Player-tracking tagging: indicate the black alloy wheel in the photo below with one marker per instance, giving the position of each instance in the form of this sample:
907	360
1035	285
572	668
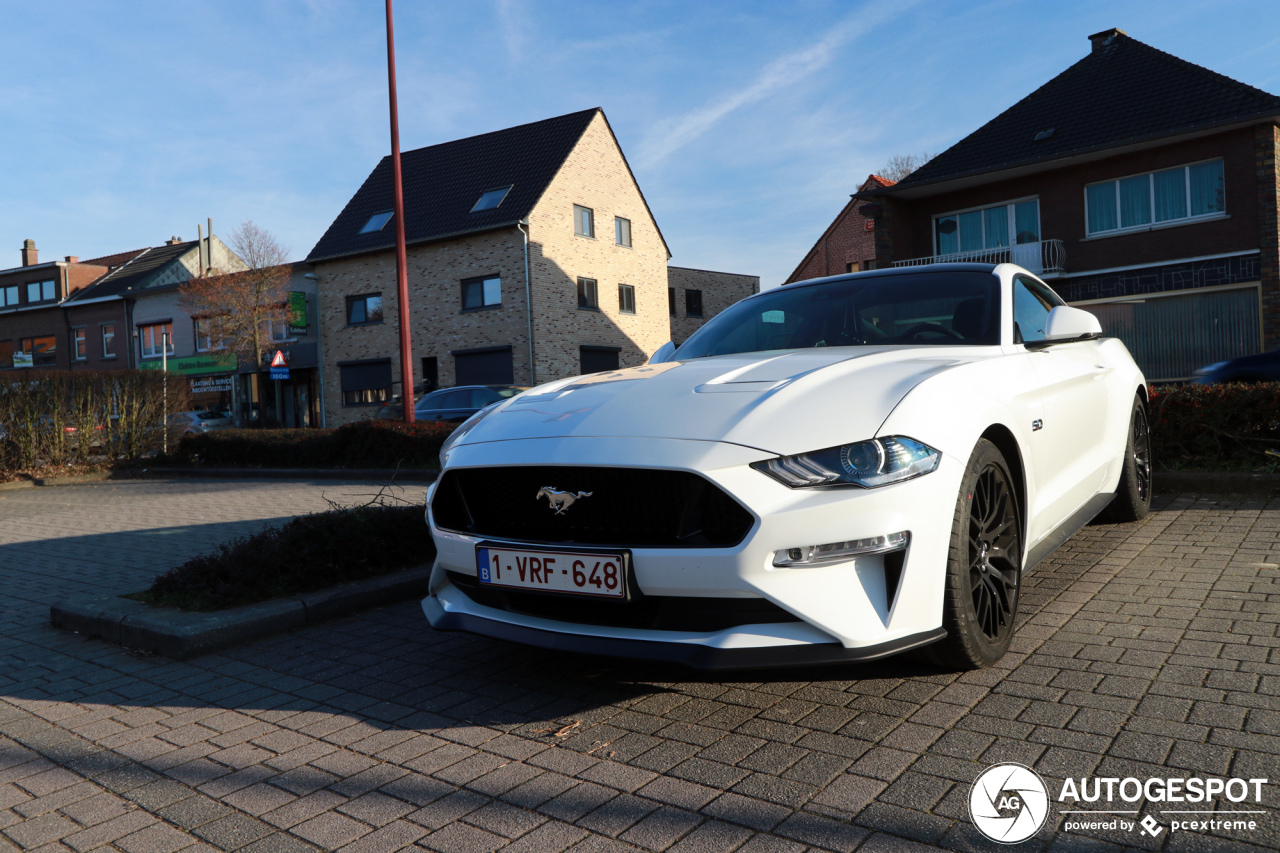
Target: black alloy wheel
984	566
1133	493
995	554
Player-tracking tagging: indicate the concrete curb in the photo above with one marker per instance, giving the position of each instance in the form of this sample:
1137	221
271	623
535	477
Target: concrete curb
380	474
71	480
1215	482
180	634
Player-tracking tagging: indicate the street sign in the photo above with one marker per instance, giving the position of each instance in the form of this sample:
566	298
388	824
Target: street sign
278	360
279	373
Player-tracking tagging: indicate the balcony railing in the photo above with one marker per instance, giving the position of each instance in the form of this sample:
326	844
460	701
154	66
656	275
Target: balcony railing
1042	257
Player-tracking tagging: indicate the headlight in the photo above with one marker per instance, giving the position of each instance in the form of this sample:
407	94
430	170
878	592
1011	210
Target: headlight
460	433
877	462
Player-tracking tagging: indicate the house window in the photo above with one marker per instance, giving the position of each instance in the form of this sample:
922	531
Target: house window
40	291
693	303
154	337
587	294
364	309
278	331
1170	195
988	228
483	292
6	354
206	334
365	383
584	221
43	350
490	199
9	296
626	299
108	340
671	300
79	344
622	231
376	222
852	266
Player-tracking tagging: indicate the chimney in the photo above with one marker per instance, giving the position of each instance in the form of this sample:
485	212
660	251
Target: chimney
30	257
73	259
1102	39
173	241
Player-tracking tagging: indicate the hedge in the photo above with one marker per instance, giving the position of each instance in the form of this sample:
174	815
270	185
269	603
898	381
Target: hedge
366	444
1216	427
310	552
68	417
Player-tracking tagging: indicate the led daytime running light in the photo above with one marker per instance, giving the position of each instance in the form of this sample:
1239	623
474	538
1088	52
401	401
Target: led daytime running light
877	462
834	552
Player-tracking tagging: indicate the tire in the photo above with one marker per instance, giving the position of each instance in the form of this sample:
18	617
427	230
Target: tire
1133	493
984	566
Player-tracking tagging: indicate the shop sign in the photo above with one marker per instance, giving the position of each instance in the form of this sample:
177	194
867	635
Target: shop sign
297	312
210	385
195	365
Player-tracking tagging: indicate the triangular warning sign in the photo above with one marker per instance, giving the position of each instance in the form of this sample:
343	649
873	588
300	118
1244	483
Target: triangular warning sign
278	360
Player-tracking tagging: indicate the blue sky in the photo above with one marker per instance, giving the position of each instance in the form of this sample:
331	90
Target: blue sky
748	124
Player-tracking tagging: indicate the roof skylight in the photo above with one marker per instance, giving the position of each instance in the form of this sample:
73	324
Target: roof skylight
376	222
491	199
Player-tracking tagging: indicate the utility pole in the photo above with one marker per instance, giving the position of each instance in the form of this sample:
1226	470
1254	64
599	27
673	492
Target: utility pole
402	262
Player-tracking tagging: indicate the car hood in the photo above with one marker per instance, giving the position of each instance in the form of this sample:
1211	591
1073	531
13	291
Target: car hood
781	402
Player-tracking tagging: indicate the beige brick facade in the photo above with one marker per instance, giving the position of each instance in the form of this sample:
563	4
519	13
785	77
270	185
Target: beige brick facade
594	175
719	290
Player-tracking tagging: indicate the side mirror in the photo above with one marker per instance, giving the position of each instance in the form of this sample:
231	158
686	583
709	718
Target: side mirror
664	353
1069	324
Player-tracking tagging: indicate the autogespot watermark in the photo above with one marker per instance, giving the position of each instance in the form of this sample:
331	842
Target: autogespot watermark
1009	803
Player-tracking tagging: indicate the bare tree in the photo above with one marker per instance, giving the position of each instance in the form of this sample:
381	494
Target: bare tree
237	309
901	165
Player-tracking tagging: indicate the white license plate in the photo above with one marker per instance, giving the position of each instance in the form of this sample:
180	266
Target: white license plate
582	573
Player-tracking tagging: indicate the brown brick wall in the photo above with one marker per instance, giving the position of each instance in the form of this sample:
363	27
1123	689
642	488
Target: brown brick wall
847	240
91	317
719	291
1062	207
1266	160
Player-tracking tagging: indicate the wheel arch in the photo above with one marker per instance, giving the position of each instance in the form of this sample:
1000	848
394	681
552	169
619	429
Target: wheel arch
1003	438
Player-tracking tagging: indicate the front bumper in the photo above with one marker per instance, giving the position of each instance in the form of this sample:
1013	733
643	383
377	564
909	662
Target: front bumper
859	609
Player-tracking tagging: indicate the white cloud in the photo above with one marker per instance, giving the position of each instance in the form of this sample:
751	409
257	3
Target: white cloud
669	135
515	23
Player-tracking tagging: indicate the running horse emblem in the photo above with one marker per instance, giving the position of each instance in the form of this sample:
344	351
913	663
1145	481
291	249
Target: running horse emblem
560	501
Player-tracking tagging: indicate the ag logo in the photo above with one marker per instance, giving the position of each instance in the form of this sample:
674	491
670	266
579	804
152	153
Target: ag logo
1008	803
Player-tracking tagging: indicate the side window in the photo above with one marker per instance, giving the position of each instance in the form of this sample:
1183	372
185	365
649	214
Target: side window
481	397
1031	307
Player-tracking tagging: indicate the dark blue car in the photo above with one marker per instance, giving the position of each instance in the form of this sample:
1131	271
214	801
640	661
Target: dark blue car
1263	367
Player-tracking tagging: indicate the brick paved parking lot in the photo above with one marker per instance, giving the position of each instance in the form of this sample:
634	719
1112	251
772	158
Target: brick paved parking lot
1147	650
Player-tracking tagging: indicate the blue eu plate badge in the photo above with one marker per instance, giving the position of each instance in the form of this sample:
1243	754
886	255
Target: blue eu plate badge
482	563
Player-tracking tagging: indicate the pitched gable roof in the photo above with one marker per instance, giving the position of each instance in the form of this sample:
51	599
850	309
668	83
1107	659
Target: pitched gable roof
443	182
1123	92
872	182
133	274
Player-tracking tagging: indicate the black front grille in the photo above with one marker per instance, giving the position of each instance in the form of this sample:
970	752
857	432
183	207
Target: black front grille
627	507
657	612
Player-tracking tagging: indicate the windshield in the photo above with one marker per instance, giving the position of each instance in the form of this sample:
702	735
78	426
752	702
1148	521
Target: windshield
946	307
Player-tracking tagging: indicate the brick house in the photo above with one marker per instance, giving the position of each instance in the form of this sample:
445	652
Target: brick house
1143	188
33	330
532	255
848	244
695	296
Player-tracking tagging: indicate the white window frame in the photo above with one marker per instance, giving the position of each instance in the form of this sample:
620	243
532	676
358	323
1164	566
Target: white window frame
203	332
148	344
108	351
1010	206
1151	195
79	343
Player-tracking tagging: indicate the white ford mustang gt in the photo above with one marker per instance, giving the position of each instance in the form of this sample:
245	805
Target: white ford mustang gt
834	470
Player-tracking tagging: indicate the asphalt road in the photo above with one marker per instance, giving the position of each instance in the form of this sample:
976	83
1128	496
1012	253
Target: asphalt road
1146	650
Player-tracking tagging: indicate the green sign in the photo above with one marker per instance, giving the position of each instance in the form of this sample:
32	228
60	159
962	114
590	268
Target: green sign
195	365
297	312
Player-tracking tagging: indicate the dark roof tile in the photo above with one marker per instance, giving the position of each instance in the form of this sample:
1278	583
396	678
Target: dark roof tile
1123	91
443	182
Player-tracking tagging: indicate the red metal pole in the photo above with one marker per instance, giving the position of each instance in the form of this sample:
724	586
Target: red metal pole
402	262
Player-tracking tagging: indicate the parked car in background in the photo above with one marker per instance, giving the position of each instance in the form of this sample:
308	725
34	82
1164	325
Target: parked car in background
835	470
1262	367
452	404
198	423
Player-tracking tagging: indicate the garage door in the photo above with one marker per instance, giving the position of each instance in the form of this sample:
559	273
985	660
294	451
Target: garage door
599	359
488	366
